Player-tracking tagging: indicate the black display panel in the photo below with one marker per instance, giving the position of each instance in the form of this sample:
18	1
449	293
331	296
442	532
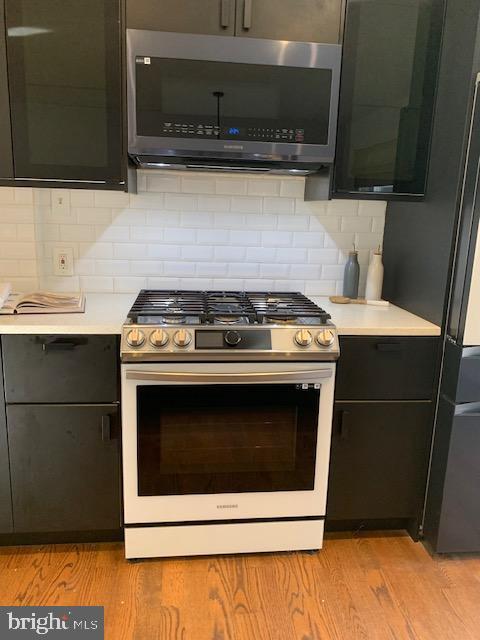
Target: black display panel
232	101
208	439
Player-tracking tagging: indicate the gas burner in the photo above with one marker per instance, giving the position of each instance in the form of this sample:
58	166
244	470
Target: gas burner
230	320
281	319
175	319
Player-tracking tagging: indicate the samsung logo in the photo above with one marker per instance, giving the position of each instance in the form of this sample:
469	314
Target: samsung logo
227	506
239	147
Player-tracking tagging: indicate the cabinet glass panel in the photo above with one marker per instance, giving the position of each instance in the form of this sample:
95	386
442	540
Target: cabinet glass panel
389	74
64	74
226	439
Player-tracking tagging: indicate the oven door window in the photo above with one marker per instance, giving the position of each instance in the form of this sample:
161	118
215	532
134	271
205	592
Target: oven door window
226	439
228	101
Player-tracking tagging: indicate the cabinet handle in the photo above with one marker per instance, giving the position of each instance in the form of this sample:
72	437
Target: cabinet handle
61	344
247	14
224	13
106	428
343	426
389	346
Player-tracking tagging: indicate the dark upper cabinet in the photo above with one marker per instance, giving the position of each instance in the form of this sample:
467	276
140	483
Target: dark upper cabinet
211	17
297	20
65	467
300	21
389	75
6	157
6	522
64	70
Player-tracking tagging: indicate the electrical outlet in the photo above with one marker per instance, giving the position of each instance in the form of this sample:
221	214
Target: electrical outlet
63	261
61	201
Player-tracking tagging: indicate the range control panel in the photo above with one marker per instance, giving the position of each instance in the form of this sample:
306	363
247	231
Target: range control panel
260	134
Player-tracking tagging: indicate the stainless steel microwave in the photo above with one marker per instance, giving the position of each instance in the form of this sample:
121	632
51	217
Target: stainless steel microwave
231	103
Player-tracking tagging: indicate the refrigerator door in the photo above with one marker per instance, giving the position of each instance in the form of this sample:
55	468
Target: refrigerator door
464	311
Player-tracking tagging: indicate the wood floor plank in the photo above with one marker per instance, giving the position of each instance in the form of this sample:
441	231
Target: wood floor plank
366	587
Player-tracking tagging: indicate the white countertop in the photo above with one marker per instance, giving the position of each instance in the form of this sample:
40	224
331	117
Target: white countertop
105	314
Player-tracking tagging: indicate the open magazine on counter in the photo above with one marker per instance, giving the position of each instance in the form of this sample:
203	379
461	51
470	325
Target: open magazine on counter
43	302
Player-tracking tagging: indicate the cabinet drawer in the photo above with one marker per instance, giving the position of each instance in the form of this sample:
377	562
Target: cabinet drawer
65	468
386	368
60	369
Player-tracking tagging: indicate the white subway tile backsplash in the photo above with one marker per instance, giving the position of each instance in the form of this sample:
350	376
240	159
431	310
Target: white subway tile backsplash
111	199
278	205
180	236
372	208
231	186
187	230
180	202
292	188
163	182
263	187
129	251
246	204
111	267
277	238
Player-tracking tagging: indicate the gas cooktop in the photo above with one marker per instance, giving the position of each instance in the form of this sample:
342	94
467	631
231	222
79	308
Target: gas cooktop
235	325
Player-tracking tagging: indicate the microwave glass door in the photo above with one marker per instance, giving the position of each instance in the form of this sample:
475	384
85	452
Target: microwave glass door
209	439
226	101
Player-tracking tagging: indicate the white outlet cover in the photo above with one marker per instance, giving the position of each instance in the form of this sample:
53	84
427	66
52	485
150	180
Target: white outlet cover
61	201
63	261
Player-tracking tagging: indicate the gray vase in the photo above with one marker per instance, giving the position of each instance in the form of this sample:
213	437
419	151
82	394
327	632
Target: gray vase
351	276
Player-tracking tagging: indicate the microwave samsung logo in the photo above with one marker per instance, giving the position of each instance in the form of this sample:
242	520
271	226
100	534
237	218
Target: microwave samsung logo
227	506
235	147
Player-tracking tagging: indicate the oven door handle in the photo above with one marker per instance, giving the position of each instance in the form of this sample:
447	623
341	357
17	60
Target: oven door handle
188	377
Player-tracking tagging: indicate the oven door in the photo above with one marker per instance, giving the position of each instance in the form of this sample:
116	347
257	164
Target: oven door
225	440
214	96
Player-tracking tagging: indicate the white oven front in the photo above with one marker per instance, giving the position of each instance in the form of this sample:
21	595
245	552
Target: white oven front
225	441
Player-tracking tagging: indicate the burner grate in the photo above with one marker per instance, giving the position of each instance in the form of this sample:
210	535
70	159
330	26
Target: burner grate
210	307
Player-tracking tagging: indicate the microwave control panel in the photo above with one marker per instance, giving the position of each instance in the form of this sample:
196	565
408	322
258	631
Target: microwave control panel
258	134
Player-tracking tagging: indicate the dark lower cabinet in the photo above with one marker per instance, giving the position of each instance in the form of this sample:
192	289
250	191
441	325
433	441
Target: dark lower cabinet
65	468
379	460
6	522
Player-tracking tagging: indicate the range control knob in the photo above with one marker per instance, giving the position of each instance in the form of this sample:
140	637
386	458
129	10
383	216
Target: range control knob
232	338
182	338
325	338
158	338
135	338
303	338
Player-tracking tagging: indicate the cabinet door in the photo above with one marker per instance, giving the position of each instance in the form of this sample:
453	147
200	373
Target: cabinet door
6	158
389	74
6	524
379	457
215	17
65	89
297	20
65	467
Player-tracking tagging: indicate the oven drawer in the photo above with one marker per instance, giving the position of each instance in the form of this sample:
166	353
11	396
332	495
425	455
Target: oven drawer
386	368
60	368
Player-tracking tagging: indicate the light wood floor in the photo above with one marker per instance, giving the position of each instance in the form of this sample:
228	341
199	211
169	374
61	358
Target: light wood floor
371	587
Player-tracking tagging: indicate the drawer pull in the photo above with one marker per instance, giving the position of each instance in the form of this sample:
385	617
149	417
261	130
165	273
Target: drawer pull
106	428
343	426
60	344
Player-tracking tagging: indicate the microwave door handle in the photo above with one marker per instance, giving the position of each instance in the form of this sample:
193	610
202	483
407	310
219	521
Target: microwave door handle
247	14
206	378
224	14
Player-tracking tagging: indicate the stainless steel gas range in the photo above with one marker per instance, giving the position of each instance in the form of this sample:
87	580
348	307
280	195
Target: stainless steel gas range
227	409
